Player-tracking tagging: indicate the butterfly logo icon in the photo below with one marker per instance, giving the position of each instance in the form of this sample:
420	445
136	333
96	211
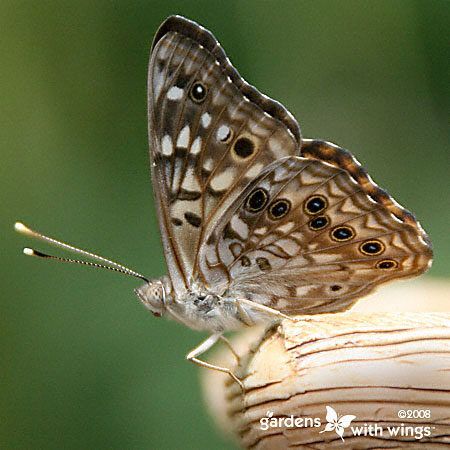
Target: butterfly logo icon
337	424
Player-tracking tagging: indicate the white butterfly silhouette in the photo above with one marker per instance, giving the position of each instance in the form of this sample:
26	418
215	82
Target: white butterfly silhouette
337	424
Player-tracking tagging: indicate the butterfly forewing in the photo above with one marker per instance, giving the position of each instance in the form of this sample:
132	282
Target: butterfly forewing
208	139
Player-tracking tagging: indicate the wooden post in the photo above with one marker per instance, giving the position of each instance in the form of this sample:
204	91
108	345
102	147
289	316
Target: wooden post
389	370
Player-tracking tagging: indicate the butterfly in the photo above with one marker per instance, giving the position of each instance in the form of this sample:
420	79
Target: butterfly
257	223
337	424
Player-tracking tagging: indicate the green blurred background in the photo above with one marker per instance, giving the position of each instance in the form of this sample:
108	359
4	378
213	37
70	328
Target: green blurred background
83	365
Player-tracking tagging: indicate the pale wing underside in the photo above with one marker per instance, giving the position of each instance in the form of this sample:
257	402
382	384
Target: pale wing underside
210	135
298	260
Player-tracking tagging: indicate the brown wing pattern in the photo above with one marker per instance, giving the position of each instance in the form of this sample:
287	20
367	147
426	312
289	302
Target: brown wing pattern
210	134
316	240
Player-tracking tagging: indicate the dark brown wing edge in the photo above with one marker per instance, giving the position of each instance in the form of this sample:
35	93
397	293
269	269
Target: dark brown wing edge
342	158
204	37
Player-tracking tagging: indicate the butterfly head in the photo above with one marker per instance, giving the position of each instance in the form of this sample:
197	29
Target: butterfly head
153	295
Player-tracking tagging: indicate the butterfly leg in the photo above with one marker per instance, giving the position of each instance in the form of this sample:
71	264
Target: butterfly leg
267	309
243	315
204	347
232	350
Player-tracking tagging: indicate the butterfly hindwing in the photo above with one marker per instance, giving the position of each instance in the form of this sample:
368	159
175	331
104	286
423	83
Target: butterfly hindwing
210	134
307	237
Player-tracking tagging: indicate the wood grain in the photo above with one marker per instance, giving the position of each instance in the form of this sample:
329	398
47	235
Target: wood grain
368	365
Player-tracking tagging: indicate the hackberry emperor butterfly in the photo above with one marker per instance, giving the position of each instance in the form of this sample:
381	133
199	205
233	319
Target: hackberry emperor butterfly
257	223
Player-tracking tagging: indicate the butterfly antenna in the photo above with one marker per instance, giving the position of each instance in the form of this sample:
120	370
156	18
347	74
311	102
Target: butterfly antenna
106	263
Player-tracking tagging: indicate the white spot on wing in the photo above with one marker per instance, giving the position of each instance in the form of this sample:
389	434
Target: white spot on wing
260	231
281	173
183	137
223	133
371	200
166	144
258	129
190	182
239	227
222	181
286	227
208	164
313	246
275	146
196	146
211	256
298	235
181	206
254	170
302	290
353	179
396	218
206	119
158	81
174	93
289	246
163	51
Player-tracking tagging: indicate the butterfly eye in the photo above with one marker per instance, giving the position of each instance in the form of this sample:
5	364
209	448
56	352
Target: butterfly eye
257	200
374	247
315	205
279	209
318	223
387	264
342	234
198	92
243	147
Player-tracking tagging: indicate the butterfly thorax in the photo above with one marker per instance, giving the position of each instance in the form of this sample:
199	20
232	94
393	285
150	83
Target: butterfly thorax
197	308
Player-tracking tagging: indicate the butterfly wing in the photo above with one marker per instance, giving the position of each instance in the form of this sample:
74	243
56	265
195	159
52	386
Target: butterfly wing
210	134
313	234
331	414
346	420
